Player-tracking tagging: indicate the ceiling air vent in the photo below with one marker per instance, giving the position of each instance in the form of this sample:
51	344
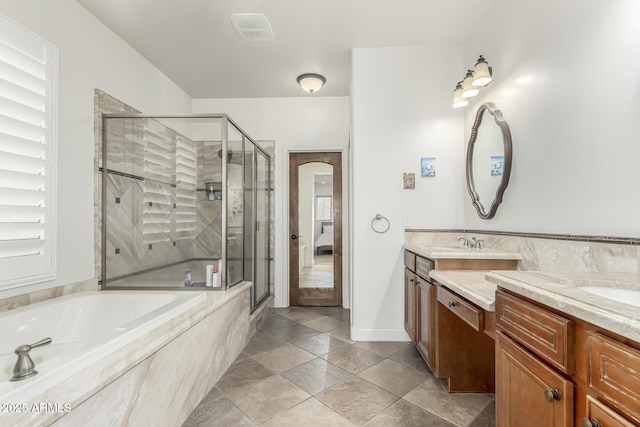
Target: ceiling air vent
252	26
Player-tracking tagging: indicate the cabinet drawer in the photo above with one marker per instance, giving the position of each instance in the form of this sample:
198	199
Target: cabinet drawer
423	267
614	370
466	311
410	260
605	416
549	336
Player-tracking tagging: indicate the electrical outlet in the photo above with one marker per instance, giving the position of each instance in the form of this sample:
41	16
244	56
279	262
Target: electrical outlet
405	220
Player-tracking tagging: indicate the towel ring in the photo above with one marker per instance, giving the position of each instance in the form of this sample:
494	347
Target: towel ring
379	217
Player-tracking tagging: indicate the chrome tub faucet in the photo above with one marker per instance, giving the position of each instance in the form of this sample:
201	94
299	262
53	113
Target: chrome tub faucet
25	368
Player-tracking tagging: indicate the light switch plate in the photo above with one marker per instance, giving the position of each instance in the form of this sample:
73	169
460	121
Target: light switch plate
405	220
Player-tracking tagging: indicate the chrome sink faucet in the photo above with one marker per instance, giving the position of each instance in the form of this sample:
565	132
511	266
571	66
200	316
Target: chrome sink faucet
465	242
474	243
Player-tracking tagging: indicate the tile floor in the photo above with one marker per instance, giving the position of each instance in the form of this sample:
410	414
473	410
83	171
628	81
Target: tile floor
301	369
319	275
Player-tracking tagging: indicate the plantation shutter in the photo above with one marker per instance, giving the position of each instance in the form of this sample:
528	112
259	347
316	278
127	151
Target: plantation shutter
28	67
159	167
186	177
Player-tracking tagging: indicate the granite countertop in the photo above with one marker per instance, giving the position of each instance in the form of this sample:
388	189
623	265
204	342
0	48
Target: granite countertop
470	285
460	252
560	290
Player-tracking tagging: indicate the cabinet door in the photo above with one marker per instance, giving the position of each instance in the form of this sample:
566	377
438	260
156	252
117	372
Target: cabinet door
410	303
528	392
427	321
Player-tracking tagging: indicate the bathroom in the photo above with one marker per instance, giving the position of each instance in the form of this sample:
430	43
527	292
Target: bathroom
565	81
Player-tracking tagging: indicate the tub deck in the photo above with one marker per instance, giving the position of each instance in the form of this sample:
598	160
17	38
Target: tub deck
75	374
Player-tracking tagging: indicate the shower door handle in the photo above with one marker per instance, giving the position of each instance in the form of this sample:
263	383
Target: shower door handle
295	237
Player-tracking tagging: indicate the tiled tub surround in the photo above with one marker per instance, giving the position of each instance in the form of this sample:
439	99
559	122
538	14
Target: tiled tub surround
156	379
83	327
45	294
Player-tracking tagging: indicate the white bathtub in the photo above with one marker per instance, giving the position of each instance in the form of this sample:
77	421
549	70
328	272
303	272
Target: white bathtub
84	328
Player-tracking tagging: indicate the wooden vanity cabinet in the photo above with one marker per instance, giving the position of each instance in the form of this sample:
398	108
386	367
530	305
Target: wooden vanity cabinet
422	318
465	353
561	371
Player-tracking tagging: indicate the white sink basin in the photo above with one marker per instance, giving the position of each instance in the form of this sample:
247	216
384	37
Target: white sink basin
626	296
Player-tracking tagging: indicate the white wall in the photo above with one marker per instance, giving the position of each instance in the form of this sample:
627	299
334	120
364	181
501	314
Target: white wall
401	111
295	124
566	80
90	56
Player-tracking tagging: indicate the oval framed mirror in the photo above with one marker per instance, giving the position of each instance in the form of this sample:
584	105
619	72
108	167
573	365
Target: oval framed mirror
488	160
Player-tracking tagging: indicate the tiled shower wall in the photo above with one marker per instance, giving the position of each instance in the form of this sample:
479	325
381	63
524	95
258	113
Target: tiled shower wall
143	230
208	213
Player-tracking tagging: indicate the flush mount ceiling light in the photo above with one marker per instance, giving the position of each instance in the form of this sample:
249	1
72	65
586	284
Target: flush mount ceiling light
311	82
470	86
253	27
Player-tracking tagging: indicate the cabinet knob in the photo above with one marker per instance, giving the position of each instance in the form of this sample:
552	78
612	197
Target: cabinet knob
452	304
586	422
551	395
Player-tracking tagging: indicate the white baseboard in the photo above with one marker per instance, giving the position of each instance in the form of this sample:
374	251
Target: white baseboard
379	334
280	303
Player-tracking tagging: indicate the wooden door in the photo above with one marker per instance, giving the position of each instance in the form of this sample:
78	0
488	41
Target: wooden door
328	291
528	392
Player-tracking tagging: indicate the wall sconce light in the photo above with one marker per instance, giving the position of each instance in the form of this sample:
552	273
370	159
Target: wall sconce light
470	86
458	100
468	89
482	73
311	82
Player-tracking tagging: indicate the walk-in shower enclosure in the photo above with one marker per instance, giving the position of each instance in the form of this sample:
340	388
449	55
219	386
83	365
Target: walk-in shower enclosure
185	204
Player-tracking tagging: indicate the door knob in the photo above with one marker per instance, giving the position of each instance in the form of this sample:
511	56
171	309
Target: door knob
551	395
295	237
586	422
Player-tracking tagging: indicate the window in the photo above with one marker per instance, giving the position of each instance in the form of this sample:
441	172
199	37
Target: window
28	85
323	208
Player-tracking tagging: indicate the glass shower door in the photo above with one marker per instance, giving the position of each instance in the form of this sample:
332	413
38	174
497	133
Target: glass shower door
235	206
262	188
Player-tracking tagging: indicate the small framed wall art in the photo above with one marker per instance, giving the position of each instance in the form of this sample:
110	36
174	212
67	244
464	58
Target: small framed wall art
409	180
428	166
